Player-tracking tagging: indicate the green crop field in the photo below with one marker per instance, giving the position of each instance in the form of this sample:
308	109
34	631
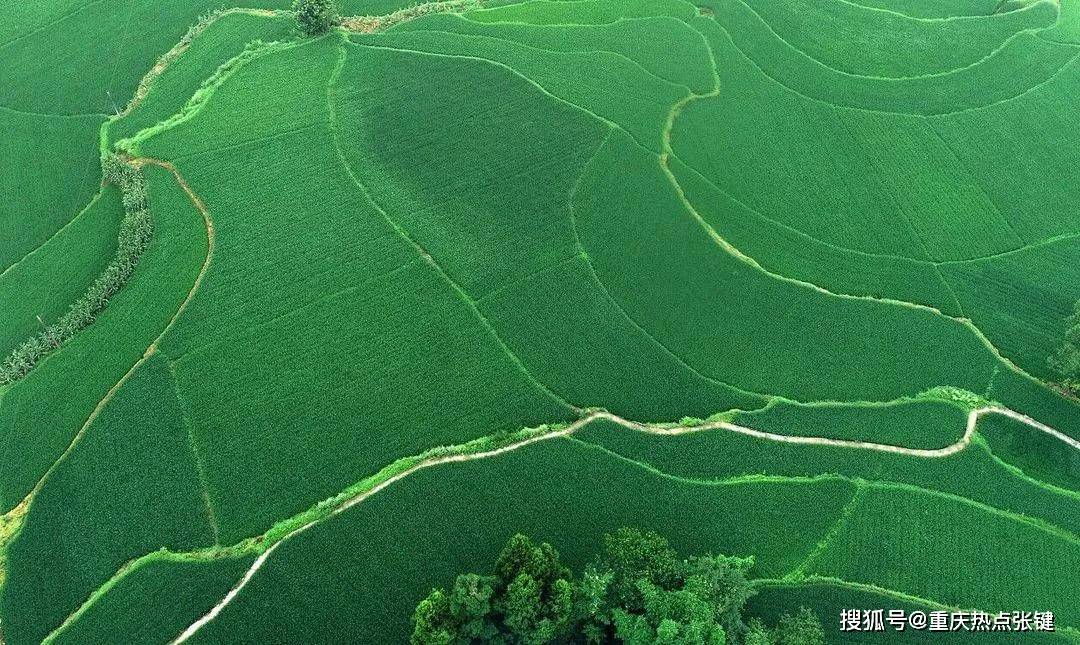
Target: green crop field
299	322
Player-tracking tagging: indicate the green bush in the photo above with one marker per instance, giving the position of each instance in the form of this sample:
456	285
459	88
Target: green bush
638	591
316	17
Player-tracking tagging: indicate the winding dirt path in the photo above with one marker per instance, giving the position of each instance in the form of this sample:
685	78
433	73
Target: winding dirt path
15	516
935	453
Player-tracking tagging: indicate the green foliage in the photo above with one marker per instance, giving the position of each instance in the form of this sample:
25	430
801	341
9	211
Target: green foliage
529	600
1066	361
632	555
803	628
676	616
638	591
316	17
136	230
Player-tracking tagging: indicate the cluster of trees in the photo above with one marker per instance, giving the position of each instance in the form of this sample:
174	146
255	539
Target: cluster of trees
638	591
316	17
136	230
1066	361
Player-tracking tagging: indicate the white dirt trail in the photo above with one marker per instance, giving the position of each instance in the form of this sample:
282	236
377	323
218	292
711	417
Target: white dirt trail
925	453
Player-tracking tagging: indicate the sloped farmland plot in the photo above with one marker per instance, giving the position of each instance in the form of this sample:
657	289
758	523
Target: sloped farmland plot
777	278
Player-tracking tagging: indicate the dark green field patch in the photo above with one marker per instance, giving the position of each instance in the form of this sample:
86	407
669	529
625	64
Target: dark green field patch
1037	454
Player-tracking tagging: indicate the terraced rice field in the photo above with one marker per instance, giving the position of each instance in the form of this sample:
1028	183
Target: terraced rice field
777	278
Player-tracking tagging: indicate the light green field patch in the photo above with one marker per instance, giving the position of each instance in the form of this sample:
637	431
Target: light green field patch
1036	400
665	46
223	39
931	9
787	251
49	171
1038	455
1021	300
1024	63
156	599
93	59
734	322
607	86
573	336
856	40
716	454
917	423
383	360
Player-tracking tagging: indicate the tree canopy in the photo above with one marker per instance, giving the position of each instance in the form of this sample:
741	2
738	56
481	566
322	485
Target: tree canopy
1066	361
638	591
316	17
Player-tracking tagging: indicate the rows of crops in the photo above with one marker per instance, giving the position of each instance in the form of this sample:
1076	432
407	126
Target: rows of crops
832	219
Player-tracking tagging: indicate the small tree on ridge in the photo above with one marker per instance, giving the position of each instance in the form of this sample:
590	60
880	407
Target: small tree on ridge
316	17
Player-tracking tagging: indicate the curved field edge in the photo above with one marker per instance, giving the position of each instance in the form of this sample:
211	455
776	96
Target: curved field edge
262	546
44	342
12	517
147	310
676	108
559	495
226	70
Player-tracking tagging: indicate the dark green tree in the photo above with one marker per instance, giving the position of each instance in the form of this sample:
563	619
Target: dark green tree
535	591
722	581
1066	361
803	628
431	620
638	591
633	555
529	600
316	17
757	633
